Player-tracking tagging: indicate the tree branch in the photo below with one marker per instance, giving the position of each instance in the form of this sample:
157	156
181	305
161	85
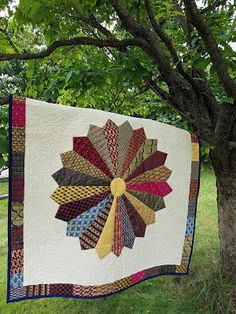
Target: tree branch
183	20
79	41
138	10
166	97
212	6
4	100
152	47
212	47
91	20
157	28
141	91
150	84
159	91
167	42
183	97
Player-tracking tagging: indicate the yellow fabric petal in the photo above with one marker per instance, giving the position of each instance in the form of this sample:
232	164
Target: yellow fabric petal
66	194
105	242
146	213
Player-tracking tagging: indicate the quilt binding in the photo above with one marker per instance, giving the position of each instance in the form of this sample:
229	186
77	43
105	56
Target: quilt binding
15	289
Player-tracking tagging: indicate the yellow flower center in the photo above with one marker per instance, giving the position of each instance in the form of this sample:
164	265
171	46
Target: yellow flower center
117	186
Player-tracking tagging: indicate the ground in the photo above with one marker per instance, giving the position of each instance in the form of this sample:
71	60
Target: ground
204	291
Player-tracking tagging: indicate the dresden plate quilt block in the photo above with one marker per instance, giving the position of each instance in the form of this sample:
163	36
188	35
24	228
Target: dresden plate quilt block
97	201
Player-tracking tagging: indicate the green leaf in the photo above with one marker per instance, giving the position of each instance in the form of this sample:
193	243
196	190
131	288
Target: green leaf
36	10
201	63
228	100
3	144
30	73
2	162
25	6
68	77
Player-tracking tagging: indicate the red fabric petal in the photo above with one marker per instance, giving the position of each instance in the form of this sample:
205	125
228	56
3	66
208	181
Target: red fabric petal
157	188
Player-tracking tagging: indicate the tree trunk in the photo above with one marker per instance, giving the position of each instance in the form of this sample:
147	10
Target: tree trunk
225	171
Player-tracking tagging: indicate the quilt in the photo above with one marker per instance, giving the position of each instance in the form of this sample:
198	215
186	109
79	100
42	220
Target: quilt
98	201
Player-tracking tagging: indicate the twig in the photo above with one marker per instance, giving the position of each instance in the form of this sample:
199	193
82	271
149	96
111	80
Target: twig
3	100
213	6
214	50
78	41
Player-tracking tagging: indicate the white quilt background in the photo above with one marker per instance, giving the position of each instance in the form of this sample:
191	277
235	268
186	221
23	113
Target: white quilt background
52	257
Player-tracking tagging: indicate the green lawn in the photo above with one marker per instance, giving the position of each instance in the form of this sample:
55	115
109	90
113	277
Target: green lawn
204	291
3	188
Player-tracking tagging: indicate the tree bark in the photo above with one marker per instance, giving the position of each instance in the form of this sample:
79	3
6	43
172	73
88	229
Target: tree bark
226	203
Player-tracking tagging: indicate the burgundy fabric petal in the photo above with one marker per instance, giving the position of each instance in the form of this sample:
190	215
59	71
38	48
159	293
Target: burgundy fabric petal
85	148
157	159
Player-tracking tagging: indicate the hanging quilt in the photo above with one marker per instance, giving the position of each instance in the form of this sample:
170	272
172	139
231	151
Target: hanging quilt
98	201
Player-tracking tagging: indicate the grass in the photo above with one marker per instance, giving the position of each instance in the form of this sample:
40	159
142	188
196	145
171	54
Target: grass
204	291
3	188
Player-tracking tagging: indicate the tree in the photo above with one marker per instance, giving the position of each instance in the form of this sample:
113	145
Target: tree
182	52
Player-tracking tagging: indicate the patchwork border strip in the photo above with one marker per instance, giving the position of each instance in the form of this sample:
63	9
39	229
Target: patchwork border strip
15	289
